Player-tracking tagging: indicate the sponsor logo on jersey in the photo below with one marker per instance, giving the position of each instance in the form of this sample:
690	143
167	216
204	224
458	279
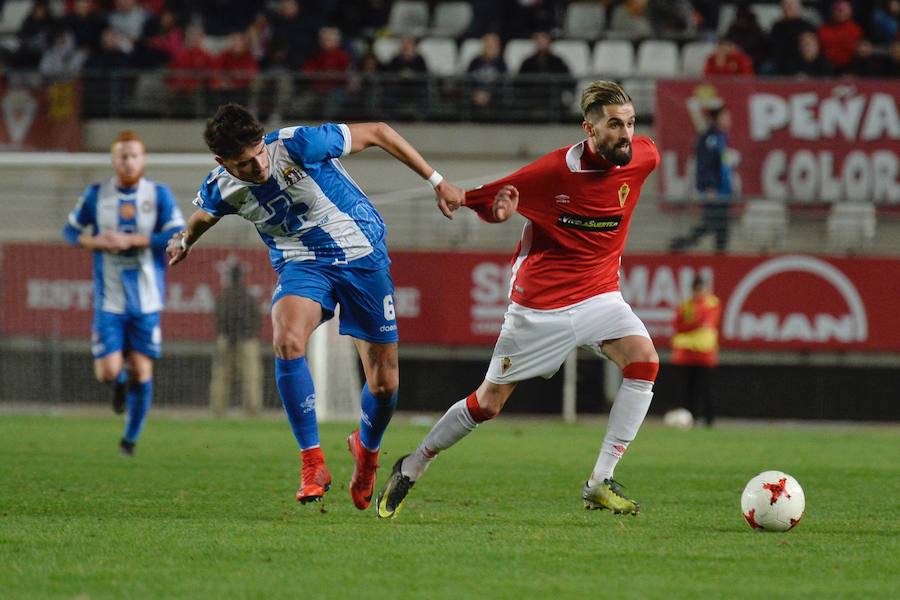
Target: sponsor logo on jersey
623	194
127	211
505	365
609	223
562	199
292	175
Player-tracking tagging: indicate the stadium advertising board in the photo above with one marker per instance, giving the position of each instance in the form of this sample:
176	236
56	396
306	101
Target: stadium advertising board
788	302
40	118
811	143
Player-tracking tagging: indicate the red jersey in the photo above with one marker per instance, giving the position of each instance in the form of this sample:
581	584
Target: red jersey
578	208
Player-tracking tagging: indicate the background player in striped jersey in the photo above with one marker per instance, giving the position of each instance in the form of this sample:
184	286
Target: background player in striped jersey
327	244
578	202
127	221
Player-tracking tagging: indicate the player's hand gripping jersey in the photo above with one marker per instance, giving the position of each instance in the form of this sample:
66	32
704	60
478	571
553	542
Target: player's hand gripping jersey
309	209
578	208
133	281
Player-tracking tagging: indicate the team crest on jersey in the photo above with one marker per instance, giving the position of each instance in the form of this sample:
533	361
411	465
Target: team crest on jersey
623	194
292	175
146	206
505	365
127	211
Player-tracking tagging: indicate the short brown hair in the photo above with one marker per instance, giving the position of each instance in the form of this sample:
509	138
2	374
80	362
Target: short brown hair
602	93
126	135
232	129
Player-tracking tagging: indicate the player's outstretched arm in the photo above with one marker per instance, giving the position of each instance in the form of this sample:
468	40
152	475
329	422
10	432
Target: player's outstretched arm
180	245
365	135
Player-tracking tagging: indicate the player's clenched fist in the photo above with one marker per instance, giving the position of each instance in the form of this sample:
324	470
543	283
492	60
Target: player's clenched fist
505	203
449	198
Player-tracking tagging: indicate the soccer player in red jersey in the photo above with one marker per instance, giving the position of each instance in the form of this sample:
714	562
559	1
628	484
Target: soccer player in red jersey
578	202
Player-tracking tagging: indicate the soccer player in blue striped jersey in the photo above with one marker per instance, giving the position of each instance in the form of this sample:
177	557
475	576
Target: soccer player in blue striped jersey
126	222
327	243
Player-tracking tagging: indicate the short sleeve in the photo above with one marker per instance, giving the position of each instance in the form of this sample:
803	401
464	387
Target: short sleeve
209	198
316	144
85	210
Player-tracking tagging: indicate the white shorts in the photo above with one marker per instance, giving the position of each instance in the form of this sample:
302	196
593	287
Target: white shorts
535	343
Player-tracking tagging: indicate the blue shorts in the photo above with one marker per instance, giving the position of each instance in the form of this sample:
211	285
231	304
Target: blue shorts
113	332
366	296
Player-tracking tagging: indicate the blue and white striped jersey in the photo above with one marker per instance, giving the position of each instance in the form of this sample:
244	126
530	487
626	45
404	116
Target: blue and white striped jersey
130	282
310	208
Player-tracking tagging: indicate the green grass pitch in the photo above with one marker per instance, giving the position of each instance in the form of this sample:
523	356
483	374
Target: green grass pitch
206	510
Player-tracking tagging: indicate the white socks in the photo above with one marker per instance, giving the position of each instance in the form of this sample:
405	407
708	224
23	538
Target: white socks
456	424
625	418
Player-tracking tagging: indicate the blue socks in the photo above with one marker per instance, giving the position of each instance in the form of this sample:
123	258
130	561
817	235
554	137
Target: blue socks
138	398
298	395
376	414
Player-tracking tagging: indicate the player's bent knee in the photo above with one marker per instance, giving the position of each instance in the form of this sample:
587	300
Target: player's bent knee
289	346
643	370
384	388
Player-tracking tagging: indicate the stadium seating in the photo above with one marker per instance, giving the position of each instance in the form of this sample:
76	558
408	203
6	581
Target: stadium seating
851	226
657	59
515	52
386	48
468	49
767	14
408	18
13	15
439	55
585	21
764	224
451	19
613	58
693	57
575	53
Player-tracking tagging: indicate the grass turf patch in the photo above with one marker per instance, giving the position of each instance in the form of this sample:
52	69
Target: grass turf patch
206	509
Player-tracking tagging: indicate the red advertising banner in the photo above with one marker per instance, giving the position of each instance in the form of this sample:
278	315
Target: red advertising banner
809	142
790	302
40	118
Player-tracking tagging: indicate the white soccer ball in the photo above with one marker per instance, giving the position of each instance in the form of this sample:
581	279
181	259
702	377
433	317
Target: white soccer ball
773	501
680	418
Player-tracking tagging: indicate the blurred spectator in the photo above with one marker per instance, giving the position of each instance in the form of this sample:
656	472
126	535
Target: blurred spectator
544	92
630	19
671	17
713	182
785	37
237	69
63	59
487	71
406	89
87	23
35	35
727	59
809	61
364	91
292	32
893	63
865	62
695	347
224	17
885	21
521	18
190	72
326	72
163	38
840	37
105	75
746	32
237	347
128	19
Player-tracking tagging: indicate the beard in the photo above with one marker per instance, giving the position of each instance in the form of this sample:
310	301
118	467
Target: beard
618	154
129	180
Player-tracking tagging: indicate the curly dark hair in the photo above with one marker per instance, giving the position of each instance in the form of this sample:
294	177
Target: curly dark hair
231	130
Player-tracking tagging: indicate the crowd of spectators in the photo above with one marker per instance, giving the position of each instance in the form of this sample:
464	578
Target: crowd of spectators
230	47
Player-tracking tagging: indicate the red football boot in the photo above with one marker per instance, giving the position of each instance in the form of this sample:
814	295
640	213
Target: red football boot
365	464
315	479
